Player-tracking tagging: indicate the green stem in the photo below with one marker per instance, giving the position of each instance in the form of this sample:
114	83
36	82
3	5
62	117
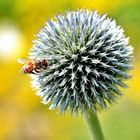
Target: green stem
93	126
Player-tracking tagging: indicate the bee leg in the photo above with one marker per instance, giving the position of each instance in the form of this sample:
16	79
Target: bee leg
32	72
44	67
37	71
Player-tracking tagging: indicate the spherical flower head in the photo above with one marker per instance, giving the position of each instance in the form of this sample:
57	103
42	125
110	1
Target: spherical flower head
89	59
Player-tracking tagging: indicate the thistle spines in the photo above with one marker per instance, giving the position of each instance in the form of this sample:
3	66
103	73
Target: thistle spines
89	59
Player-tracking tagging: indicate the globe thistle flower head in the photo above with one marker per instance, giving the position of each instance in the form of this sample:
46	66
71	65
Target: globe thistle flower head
89	58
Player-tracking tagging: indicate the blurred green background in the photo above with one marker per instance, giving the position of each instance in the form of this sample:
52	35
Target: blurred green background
22	116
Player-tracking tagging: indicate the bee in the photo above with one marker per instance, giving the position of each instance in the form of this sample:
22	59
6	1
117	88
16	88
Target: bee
32	66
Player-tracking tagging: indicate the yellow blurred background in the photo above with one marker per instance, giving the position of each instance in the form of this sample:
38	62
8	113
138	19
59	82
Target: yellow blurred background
22	116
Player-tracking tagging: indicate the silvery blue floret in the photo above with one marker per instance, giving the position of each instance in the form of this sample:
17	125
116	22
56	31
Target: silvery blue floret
89	59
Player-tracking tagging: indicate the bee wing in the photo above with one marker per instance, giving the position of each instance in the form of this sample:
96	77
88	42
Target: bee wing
22	60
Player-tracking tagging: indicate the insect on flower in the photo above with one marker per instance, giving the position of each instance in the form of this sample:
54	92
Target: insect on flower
32	66
89	59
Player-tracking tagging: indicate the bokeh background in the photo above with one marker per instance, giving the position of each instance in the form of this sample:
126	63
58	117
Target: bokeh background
22	116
